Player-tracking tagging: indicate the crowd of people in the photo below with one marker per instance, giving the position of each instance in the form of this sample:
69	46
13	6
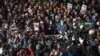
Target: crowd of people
49	27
